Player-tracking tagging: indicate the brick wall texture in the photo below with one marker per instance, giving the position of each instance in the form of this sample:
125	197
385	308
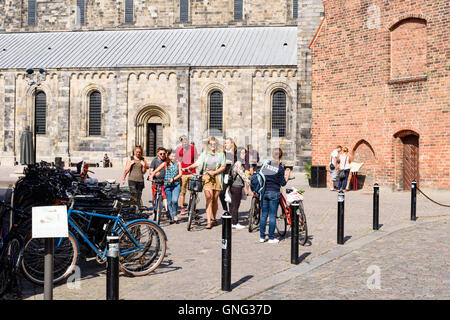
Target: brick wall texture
380	73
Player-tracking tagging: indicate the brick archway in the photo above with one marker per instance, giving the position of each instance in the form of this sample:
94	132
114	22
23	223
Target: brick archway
364	153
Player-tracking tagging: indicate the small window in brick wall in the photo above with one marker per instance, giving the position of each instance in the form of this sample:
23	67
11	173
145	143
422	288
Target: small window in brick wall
95	114
408	48
279	114
32	12
40	112
216	113
129	11
184	10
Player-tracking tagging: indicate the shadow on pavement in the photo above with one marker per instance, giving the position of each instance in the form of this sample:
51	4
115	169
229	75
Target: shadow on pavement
241	281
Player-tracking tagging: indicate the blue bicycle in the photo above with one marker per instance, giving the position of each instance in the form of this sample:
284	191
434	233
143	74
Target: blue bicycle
142	243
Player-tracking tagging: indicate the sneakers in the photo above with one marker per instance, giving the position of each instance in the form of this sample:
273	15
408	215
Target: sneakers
237	226
183	212
261	240
274	241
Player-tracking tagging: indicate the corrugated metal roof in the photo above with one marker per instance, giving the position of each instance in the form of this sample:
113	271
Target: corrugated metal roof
245	46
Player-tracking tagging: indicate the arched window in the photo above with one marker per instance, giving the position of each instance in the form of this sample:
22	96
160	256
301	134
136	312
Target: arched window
238	8
82	10
408	48
184	10
216	113
40	112
95	114
31	12
279	114
129	11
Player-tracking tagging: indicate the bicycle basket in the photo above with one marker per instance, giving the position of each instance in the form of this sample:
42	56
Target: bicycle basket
195	184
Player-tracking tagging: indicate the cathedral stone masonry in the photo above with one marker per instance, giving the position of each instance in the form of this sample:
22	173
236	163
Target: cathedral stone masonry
174	98
64	15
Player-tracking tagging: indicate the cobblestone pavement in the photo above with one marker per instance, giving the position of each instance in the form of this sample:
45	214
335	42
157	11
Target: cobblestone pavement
192	267
412	263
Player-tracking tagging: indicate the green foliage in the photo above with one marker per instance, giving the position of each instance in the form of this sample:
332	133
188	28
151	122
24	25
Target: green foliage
308	170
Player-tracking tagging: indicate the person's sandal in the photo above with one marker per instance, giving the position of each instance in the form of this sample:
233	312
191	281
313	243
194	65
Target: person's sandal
208	226
214	222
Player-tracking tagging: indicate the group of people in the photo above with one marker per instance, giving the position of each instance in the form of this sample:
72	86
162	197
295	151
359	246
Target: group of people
225	171
339	166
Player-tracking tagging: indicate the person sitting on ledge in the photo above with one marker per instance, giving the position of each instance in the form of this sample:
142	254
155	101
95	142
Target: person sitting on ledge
106	161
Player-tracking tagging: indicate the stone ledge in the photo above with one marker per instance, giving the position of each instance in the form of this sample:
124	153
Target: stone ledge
408	79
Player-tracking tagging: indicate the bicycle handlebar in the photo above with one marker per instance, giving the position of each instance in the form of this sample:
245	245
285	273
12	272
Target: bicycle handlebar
187	170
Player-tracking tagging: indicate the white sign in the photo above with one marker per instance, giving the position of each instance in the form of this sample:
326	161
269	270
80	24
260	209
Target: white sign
49	222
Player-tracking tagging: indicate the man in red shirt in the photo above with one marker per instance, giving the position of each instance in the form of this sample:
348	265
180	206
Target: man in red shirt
187	155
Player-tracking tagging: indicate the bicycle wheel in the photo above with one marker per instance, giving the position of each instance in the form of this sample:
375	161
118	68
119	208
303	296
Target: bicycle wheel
157	210
152	242
10	260
4	276
281	221
253	216
191	210
65	258
302	226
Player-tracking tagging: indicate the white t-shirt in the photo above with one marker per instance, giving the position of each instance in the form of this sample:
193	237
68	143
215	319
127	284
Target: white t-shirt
334	154
344	162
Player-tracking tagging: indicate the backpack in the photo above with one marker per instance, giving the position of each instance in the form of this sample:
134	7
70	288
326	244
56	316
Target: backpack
258	181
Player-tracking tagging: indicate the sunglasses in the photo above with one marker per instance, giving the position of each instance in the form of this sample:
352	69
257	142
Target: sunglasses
161	154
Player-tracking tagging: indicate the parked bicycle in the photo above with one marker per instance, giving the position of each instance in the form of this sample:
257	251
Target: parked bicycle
11	250
158	201
195	186
284	217
142	244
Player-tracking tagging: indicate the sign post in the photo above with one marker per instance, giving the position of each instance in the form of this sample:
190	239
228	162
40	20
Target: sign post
49	223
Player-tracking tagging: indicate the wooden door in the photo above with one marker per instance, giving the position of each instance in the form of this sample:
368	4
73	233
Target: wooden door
154	138
151	140
410	160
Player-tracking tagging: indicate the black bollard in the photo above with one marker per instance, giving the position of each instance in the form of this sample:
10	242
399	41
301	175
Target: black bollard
294	236
340	222
48	268
112	272
376	202
226	251
413	200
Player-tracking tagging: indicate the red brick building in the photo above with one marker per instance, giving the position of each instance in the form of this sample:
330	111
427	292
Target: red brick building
381	84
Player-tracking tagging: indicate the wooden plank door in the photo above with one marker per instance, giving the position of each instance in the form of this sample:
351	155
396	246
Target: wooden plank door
151	140
410	160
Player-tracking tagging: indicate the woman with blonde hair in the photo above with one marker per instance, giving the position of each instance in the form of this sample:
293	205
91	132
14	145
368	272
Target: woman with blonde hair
135	168
239	187
344	169
212	161
230	152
